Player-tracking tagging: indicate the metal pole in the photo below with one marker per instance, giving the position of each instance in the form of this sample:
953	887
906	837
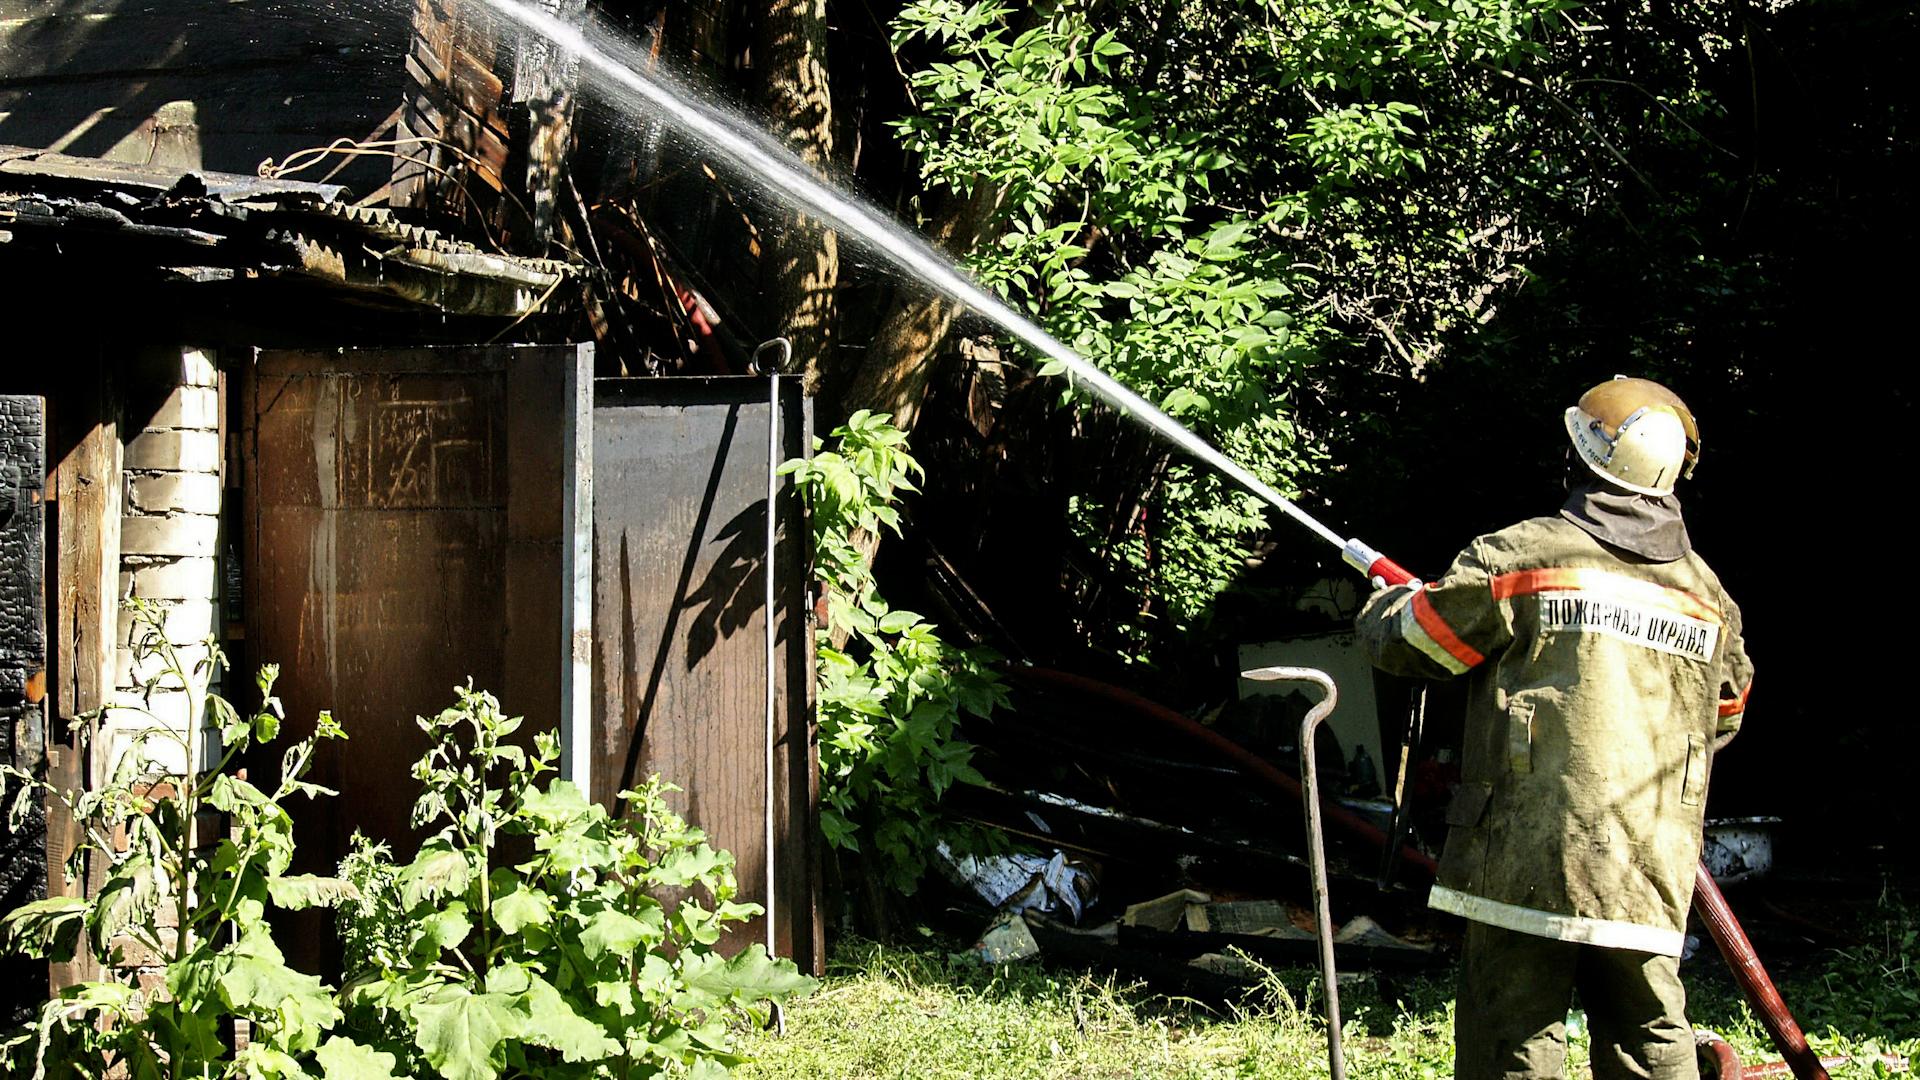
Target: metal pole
784	349
1316	849
1397	828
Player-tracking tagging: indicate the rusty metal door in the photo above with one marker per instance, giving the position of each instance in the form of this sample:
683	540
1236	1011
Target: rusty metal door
414	518
681	658
23	664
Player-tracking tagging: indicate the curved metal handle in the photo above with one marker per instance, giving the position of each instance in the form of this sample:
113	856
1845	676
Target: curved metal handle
1316	850
772	356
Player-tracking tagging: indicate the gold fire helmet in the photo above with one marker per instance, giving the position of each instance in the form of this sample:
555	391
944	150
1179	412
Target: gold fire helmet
1635	433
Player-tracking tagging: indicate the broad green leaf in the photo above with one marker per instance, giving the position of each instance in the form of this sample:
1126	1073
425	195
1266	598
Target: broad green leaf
194	978
344	1059
128	897
263	1061
748	976
188	1031
257	982
444	929
508	979
295	892
463	1033
614	994
554	1024
575	849
232	794
233	730
517	908
397	995
612	932
688	865
561	803
46	928
439	870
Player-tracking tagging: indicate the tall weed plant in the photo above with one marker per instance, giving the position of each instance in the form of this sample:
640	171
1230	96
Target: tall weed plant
186	908
891	692
463	963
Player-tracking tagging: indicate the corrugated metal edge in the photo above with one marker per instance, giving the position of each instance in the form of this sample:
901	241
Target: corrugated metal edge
419	265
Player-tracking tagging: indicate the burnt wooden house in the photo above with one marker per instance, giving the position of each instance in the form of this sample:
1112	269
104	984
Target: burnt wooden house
317	406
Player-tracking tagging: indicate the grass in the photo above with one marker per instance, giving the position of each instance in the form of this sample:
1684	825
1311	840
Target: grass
1859	1001
889	1011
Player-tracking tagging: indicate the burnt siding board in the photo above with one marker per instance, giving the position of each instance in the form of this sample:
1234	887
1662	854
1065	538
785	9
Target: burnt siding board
86	494
403	536
680	486
452	94
216	84
23	642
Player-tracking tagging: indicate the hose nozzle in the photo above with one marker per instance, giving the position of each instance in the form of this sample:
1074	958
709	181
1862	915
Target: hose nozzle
1378	569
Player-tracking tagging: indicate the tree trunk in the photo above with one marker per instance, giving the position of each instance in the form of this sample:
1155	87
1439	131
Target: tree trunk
893	378
801	268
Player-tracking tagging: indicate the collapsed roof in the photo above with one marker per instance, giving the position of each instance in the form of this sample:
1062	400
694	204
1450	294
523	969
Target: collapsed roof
204	227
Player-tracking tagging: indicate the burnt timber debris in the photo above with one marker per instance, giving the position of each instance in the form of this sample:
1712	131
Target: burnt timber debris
206	227
1172	850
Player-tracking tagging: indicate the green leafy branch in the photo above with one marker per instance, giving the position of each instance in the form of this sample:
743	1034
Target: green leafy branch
891	692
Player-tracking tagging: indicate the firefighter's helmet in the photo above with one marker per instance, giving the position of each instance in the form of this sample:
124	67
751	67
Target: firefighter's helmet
1635	433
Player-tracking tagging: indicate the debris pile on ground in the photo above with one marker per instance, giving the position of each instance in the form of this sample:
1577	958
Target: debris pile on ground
1155	851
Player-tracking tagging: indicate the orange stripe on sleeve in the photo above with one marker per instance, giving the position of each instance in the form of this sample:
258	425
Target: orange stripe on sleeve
1736	706
1441	633
1573	578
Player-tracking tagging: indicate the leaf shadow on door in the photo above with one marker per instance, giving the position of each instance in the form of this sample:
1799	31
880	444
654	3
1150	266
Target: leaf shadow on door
734	593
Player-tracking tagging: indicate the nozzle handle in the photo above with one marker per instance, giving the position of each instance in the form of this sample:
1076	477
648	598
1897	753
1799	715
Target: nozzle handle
1379	569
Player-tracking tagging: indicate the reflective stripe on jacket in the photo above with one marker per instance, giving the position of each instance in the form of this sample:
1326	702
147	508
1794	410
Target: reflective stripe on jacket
1599	684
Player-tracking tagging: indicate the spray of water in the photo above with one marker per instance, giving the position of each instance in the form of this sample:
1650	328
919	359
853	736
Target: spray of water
746	148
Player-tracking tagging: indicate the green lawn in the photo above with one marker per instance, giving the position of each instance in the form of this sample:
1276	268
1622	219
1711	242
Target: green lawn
888	1011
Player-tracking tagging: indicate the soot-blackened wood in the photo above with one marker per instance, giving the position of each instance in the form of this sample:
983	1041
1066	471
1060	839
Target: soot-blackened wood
543	80
406	532
23	678
452	99
680	498
87	503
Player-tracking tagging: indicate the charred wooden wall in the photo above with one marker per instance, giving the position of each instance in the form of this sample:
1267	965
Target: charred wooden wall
404	532
454	96
23	647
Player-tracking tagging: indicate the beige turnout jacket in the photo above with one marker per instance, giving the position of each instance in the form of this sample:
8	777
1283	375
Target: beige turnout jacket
1599	685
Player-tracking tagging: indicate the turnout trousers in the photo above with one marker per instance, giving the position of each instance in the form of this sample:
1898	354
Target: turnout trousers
1510	1018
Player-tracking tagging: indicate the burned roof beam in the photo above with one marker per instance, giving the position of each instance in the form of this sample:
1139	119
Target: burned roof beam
208	227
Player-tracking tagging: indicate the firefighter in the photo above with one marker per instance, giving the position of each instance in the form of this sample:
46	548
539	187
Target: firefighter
1605	667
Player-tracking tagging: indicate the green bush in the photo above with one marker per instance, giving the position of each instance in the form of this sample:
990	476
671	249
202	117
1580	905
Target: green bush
196	910
566	964
891	692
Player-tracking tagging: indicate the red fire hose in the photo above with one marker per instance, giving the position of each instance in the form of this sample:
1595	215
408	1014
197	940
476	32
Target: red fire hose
1254	764
1712	908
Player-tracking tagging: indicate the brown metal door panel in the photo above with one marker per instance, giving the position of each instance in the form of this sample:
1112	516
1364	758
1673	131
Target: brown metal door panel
680	492
409	520
375	616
